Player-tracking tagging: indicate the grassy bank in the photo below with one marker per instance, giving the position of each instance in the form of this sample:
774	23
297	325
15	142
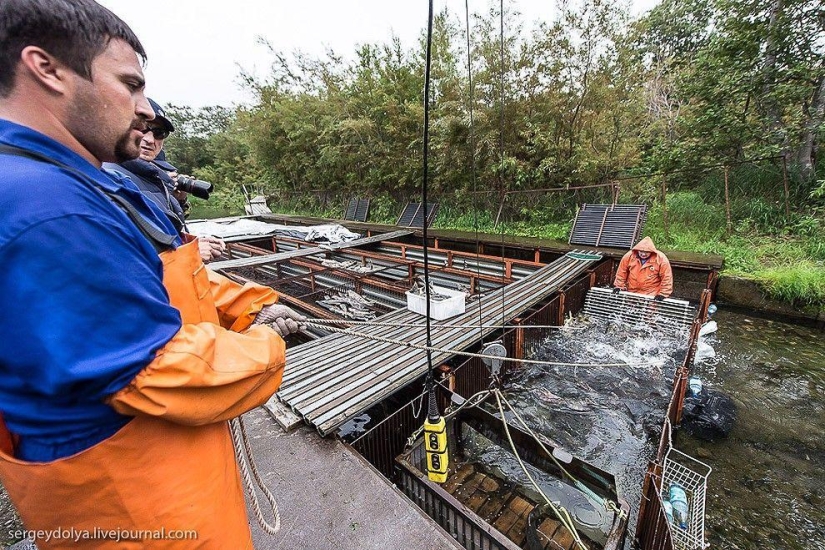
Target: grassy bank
786	257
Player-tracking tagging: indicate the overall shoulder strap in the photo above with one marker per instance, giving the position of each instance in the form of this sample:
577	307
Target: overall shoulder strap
160	241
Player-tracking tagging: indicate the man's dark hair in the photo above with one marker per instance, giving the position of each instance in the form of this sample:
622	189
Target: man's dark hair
74	31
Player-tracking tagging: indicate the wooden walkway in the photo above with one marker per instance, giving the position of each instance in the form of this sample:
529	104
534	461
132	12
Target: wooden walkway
335	378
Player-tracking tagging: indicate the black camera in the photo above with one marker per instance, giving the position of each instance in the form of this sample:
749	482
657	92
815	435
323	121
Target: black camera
199	188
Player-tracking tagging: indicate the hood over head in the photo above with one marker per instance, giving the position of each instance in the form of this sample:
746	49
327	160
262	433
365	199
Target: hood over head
646	245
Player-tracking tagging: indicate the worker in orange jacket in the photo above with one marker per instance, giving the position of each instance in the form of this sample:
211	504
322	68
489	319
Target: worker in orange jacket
122	356
645	270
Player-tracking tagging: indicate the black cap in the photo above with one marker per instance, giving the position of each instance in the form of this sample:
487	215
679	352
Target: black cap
161	161
160	115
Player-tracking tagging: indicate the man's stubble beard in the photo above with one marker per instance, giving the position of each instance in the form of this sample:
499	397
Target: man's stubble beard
98	140
126	148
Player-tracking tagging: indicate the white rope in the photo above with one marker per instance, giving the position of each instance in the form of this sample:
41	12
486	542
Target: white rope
408	325
243	453
560	511
608	504
480	355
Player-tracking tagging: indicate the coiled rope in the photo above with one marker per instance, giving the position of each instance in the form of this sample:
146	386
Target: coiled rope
246	463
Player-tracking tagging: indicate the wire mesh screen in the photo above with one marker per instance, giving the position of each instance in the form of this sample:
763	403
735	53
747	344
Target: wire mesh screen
610	225
691	476
632	308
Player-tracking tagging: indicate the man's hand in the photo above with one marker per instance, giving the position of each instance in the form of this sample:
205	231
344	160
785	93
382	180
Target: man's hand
658	298
210	248
282	319
616	290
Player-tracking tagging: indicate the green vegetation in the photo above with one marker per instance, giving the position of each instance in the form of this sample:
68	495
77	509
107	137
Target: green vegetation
591	98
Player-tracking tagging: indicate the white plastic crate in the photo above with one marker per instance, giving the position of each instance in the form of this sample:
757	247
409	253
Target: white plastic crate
692	475
439	309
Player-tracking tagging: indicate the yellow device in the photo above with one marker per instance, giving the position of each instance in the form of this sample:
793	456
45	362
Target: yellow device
435	443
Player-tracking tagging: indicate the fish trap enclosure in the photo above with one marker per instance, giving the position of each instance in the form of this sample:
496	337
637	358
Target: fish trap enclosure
486	504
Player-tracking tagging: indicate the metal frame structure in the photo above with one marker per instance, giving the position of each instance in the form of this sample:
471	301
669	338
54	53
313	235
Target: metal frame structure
385	441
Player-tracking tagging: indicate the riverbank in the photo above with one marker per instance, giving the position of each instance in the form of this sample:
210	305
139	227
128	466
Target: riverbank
783	258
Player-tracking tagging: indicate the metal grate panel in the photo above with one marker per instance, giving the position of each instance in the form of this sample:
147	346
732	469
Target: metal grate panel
413	215
609	225
632	308
357	210
340	376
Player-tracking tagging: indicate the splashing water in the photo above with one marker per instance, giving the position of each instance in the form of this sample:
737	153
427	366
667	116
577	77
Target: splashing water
609	416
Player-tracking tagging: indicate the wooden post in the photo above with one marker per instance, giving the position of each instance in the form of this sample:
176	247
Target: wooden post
500	207
727	201
664	206
787	192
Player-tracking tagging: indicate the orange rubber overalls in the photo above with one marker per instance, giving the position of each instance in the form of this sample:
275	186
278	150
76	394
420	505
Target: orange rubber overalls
172	468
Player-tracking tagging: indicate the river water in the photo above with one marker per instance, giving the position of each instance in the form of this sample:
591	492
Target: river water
767	488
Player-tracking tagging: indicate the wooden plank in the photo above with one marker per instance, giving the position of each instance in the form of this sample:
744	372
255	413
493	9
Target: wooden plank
477	499
518	530
563	538
282	414
469	487
458	478
488	487
494	505
546	530
505	520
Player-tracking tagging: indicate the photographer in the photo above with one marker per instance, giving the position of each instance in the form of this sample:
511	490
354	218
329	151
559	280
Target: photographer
170	169
155	183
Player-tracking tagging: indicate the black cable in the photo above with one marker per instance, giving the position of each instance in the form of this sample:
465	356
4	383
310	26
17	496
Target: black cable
501	152
471	109
432	408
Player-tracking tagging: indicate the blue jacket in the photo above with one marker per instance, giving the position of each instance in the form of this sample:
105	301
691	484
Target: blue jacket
84	307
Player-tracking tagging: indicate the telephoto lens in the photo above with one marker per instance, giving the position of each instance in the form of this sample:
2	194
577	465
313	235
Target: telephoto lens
199	188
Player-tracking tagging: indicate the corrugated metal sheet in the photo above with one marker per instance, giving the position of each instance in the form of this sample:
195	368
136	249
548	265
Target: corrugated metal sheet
280	256
331	380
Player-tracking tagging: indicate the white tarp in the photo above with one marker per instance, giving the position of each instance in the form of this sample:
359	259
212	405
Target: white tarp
327	233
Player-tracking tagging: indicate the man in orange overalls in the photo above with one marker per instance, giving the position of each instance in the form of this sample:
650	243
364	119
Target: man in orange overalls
645	270
122	357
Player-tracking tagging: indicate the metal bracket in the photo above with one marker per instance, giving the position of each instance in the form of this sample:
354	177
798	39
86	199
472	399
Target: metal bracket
498	350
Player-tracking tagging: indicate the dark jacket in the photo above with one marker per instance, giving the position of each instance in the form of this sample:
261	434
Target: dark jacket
155	184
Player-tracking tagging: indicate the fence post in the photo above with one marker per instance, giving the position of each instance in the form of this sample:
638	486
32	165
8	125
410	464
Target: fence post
785	182
664	205
500	207
727	201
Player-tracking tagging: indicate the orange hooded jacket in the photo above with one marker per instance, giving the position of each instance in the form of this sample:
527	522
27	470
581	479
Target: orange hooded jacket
654	277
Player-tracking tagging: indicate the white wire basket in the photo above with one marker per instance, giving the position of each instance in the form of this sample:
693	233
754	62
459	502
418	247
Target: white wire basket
692	476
